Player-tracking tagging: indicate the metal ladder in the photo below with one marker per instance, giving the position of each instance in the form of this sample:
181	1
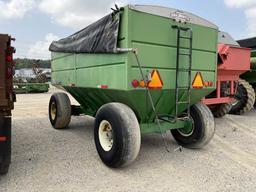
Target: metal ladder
168	118
187	88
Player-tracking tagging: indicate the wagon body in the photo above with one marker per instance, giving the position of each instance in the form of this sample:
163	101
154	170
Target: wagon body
95	79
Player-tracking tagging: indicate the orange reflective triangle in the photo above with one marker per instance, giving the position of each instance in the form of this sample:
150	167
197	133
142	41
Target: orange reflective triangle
156	81
198	82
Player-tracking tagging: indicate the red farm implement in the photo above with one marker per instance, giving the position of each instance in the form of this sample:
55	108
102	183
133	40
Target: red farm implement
232	94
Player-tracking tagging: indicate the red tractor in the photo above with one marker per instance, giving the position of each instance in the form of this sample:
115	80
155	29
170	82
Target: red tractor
7	99
233	95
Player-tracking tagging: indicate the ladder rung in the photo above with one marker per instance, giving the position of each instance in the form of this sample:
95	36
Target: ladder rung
185	54
184	87
181	28
183	102
182	37
184	70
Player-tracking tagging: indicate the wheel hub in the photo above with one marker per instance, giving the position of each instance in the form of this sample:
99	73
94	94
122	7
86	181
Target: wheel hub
53	110
106	135
188	130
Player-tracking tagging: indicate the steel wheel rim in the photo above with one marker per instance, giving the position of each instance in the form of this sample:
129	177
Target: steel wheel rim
106	135
53	110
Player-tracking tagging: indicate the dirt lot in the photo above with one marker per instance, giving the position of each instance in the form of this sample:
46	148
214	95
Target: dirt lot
48	160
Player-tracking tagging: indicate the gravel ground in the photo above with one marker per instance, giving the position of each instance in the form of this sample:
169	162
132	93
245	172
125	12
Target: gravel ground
45	159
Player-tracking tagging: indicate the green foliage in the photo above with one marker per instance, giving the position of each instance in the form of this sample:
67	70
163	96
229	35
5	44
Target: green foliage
28	63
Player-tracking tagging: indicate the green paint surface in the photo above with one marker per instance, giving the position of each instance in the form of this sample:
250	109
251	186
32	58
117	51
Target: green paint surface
250	76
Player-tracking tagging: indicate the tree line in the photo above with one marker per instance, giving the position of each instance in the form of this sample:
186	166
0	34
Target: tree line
29	63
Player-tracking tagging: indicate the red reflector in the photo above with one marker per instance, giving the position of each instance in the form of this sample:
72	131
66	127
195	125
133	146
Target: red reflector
103	86
206	83
3	139
135	83
9	58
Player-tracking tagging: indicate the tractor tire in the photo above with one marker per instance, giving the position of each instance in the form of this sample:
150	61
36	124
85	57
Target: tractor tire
202	131
246	98
117	135
254	87
60	110
221	110
5	146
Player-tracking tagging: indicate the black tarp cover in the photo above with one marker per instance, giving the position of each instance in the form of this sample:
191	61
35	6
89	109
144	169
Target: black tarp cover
99	37
249	43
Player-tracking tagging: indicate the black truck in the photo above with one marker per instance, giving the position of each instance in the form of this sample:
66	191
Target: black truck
7	99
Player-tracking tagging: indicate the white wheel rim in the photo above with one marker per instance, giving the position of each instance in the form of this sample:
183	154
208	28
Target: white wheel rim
53	110
235	102
188	134
106	135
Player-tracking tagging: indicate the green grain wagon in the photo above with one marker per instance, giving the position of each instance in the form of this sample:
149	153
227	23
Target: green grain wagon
139	70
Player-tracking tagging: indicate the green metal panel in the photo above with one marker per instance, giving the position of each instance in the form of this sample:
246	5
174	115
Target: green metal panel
100	77
250	76
90	70
253	53
156	41
63	62
63	77
81	74
157	30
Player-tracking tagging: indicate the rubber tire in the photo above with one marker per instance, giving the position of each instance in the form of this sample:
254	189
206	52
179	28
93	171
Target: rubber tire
220	110
5	153
63	110
204	128
127	136
246	104
4	169
254	87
